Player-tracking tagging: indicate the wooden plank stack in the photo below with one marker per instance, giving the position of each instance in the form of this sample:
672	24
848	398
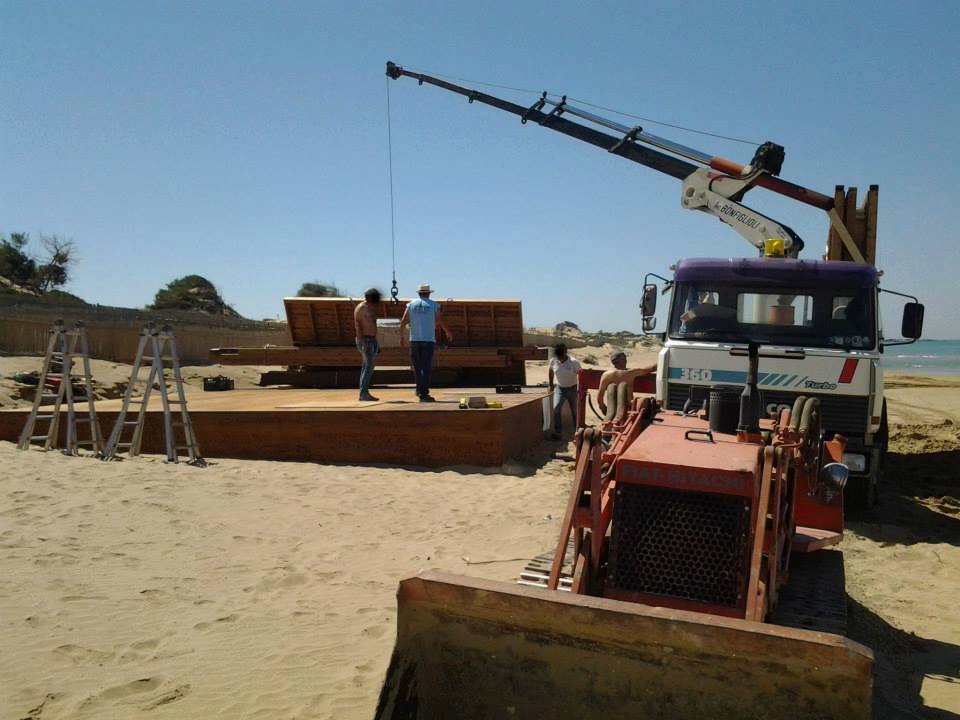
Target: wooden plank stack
487	349
860	222
328	322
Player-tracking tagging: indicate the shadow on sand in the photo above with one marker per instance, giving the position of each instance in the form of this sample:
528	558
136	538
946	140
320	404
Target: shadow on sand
918	501
902	662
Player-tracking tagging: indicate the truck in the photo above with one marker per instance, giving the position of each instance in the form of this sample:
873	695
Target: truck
820	317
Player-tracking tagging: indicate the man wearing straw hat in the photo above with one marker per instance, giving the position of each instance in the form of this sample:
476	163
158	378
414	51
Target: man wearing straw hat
424	317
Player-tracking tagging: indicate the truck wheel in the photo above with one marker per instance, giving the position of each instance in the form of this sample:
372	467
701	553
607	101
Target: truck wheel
883	438
863	492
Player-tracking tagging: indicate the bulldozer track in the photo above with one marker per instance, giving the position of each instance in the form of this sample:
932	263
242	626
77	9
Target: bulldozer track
537	571
813	599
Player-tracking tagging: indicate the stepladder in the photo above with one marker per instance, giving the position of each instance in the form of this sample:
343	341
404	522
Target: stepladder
157	353
59	392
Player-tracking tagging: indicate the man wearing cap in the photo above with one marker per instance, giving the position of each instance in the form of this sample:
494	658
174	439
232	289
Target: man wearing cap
424	317
365	329
619	374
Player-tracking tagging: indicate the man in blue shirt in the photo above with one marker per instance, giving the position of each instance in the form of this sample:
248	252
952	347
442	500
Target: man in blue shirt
423	316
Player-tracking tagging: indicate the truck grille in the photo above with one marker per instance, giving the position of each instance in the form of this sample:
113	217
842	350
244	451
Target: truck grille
686	545
844	414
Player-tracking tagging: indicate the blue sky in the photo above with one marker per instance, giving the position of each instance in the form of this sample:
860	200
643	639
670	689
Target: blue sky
247	142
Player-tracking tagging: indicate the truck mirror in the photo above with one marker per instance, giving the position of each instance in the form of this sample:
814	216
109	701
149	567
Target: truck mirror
649	323
649	305
912	325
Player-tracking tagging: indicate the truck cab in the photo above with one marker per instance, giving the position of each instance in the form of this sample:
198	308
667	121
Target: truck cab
821	320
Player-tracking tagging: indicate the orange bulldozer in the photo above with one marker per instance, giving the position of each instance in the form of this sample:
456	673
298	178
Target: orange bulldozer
694	576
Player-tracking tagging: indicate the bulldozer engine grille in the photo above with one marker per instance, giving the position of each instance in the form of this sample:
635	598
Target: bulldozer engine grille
841	413
680	544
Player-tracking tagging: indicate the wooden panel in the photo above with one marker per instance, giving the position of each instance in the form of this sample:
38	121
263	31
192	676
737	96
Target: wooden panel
834	244
850	218
528	352
349	357
870	232
328	322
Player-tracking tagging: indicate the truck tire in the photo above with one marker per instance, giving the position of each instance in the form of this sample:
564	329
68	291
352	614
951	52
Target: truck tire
862	493
883	436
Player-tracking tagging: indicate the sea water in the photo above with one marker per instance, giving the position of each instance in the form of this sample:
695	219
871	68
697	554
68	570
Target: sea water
924	357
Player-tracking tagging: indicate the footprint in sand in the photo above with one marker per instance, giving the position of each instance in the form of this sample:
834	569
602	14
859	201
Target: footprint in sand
167	697
155	593
84	656
142	649
131	688
36	712
375	631
134	693
231	618
244	538
56	558
292	580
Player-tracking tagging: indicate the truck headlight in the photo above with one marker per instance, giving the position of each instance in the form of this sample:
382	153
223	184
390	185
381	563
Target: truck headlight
855	461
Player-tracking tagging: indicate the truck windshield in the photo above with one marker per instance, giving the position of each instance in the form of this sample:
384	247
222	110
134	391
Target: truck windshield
812	317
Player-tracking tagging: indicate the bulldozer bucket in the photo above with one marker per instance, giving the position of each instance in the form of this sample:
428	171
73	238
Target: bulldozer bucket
469	648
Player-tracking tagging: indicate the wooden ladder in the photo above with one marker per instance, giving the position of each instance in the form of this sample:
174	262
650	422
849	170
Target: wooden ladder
56	383
162	348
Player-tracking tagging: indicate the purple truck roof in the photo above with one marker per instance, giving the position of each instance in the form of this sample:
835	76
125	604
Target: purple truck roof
778	272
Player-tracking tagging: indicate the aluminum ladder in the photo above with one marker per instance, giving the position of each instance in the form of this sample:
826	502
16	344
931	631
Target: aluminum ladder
56	383
159	347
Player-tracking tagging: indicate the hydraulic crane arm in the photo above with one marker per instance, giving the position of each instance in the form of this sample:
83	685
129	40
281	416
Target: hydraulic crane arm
651	158
711	184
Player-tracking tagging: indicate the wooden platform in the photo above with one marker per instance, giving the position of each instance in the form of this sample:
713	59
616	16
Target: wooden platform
333	426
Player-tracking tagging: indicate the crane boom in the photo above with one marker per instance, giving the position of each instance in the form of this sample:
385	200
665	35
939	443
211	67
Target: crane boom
651	158
711	184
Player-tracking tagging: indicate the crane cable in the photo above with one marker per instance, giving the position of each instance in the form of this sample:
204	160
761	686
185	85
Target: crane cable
394	290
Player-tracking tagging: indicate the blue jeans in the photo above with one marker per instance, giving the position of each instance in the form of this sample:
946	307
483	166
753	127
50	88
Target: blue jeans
421	357
560	395
369	348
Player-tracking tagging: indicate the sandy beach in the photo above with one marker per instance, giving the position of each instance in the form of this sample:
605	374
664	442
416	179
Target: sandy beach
266	589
